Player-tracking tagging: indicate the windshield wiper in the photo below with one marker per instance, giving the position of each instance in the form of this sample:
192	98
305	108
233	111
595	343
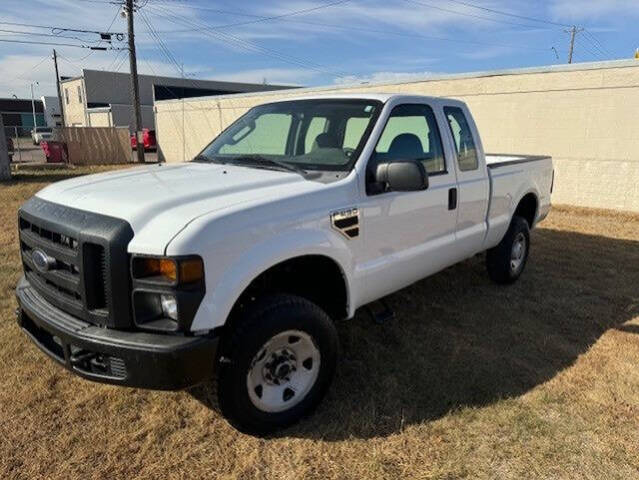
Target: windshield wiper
204	159
262	161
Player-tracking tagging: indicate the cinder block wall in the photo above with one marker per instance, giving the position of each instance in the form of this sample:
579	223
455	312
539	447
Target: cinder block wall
586	116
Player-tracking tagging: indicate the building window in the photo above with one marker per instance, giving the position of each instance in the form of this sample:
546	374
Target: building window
66	96
79	94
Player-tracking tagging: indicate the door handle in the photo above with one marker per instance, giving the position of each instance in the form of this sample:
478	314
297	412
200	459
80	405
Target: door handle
452	199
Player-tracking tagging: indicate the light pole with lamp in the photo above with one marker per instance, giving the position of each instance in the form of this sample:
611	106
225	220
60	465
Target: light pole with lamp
35	123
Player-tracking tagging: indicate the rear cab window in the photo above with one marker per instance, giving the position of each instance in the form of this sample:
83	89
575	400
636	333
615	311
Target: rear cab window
467	159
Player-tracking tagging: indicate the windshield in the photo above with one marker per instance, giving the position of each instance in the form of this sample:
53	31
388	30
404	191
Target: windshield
302	134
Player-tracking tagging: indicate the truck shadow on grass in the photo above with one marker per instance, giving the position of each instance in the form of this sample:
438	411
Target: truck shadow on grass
459	340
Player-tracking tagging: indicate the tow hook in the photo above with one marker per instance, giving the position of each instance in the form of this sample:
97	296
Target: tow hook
89	361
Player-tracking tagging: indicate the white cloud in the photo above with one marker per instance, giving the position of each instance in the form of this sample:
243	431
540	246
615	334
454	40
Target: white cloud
484	53
285	76
383	77
572	10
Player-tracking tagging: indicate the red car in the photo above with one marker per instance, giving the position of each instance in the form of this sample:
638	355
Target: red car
148	138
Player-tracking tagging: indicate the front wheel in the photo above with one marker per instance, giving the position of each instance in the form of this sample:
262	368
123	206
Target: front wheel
281	357
506	261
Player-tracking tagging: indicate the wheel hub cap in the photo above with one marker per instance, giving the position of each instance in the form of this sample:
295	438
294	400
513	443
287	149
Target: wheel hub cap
518	252
279	367
283	371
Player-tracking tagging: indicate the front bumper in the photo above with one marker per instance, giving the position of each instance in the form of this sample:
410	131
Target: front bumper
135	359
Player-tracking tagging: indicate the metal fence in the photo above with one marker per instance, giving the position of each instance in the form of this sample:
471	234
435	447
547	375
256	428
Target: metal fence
21	147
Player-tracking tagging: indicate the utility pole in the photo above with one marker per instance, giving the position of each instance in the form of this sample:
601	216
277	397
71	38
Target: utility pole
57	83
573	32
135	89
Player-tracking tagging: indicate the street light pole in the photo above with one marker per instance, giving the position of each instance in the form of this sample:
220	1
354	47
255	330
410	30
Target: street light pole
35	123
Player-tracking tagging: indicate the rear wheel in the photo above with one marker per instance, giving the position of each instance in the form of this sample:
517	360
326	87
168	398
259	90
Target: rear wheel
280	360
506	261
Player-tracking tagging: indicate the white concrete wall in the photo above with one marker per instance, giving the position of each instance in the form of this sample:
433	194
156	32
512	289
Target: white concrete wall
585	115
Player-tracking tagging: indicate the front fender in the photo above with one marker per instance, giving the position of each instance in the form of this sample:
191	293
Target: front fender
223	288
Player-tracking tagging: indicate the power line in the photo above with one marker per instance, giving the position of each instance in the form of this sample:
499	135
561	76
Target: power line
366	29
592	44
500	12
122	62
73	64
259	18
596	40
27	42
31	69
114	61
60	29
35	34
117	12
596	55
240	43
465	14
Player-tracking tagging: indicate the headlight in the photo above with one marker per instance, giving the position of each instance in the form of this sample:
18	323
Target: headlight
169	306
167	291
168	270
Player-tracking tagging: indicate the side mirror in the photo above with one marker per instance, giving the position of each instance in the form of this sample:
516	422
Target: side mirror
402	175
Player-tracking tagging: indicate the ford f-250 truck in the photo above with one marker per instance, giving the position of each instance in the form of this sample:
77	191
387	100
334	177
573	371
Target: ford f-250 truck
233	267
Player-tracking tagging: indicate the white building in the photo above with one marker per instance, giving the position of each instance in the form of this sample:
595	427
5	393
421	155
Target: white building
52	114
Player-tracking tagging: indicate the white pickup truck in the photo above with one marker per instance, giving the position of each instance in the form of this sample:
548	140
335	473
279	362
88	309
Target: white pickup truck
233	267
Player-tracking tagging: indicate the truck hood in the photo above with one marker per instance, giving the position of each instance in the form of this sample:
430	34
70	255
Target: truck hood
159	200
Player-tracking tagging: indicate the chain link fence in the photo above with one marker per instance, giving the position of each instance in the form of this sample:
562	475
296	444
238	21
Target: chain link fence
21	147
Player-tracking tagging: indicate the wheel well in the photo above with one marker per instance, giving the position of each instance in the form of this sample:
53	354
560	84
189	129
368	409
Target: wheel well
314	277
527	208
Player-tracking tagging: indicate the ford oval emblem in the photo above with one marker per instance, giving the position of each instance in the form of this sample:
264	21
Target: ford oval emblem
41	260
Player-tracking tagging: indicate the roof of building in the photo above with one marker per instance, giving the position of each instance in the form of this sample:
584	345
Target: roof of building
221	84
377	96
19	105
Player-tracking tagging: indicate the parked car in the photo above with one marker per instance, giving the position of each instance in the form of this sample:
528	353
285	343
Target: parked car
41	133
233	267
148	137
10	148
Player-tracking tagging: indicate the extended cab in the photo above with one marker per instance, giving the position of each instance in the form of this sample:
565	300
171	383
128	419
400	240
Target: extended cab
233	267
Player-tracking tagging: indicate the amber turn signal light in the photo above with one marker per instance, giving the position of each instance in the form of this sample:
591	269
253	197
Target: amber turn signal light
191	270
169	270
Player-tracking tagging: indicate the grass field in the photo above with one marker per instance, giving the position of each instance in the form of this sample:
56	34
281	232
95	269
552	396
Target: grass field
536	380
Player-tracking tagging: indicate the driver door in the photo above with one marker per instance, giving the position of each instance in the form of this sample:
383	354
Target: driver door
408	235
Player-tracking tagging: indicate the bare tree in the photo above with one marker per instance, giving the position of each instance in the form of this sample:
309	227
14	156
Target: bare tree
5	169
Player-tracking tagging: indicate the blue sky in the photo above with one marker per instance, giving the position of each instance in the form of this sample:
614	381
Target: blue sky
313	42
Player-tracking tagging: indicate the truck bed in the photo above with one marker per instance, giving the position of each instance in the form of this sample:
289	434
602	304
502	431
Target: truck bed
511	177
496	160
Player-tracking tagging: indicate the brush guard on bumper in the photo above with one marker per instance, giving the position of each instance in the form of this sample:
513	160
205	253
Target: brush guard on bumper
130	358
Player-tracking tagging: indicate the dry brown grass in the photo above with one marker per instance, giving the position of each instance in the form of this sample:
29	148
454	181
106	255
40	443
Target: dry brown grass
536	380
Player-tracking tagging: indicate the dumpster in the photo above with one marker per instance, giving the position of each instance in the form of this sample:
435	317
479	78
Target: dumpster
56	152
